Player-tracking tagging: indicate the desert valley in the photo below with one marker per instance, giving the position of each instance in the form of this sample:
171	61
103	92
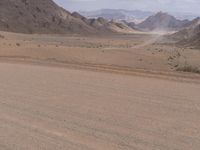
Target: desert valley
72	81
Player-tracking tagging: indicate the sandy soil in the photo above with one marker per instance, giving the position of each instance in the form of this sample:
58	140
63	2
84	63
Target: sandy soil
55	108
136	51
121	92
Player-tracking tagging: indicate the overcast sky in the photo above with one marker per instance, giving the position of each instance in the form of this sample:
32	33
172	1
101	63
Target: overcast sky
192	6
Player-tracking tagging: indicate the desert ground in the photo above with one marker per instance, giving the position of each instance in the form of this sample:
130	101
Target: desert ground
45	107
135	51
119	92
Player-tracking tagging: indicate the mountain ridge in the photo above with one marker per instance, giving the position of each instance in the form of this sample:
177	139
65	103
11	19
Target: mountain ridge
118	14
36	16
32	16
162	21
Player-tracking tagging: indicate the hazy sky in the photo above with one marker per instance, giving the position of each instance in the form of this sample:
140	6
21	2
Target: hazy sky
150	5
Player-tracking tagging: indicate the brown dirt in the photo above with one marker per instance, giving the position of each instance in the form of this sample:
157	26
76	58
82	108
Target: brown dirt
58	108
130	51
110	93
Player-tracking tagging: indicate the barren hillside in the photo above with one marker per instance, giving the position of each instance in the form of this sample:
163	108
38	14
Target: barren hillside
162	21
105	26
36	16
188	37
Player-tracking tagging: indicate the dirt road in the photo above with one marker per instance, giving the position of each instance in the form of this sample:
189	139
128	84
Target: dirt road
56	108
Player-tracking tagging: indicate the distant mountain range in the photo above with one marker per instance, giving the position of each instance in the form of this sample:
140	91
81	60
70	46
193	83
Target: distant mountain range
118	14
131	15
36	16
103	25
45	16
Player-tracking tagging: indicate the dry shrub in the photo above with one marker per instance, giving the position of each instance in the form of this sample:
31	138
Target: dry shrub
189	69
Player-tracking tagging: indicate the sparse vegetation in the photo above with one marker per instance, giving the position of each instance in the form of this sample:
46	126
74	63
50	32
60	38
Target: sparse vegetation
189	69
170	58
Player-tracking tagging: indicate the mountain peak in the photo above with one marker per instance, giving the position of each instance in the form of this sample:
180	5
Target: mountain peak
162	21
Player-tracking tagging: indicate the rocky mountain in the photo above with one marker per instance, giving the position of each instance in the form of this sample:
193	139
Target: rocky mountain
162	21
45	16
193	23
119	14
39	16
105	26
118	27
132	25
188	37
191	28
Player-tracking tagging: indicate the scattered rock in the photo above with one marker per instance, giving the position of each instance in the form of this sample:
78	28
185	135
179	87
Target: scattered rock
18	44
